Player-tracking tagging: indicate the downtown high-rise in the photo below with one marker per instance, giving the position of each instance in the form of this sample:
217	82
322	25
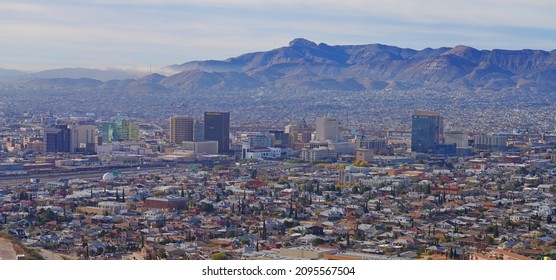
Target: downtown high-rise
217	128
427	131
181	129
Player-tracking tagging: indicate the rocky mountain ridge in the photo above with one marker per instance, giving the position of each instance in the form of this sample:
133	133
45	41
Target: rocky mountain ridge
305	65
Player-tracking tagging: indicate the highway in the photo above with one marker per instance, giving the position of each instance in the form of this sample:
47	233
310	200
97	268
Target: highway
7	181
96	174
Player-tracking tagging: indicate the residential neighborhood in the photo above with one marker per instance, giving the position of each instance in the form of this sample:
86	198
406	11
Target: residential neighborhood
135	201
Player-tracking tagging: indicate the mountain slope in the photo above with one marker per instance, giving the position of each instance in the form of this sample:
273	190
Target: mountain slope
306	65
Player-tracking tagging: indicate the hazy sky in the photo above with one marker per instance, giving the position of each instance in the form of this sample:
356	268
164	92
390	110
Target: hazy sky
42	34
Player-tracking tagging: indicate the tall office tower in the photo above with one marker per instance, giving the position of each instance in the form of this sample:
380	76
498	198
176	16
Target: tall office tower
110	132
217	128
198	134
427	131
377	146
490	142
129	130
327	129
299	134
83	139
280	138
57	139
181	129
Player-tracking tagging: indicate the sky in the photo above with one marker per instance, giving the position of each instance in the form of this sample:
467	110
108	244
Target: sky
139	34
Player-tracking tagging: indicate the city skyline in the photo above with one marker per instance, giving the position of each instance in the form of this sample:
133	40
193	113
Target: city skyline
143	34
372	135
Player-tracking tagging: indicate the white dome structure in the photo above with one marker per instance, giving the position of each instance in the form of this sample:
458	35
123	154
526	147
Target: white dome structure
108	177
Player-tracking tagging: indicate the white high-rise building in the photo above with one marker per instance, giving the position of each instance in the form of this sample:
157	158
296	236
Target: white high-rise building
327	129
456	137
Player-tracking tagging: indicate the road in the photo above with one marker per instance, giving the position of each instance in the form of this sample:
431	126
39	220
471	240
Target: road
49	255
87	175
7	251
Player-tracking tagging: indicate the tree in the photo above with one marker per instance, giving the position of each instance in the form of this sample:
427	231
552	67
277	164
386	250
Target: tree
263	236
359	235
522	171
548	219
489	239
219	256
66	188
161	254
207	207
291	206
317	242
86	246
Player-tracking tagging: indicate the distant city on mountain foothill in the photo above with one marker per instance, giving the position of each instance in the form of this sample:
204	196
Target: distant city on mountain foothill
309	151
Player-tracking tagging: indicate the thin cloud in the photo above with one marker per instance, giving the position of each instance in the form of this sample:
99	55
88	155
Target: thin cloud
138	32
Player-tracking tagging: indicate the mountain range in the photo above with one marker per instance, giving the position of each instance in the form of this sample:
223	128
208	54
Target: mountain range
305	65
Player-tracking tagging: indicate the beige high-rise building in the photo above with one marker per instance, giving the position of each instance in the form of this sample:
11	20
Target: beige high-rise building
83	138
327	129
299	135
181	129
